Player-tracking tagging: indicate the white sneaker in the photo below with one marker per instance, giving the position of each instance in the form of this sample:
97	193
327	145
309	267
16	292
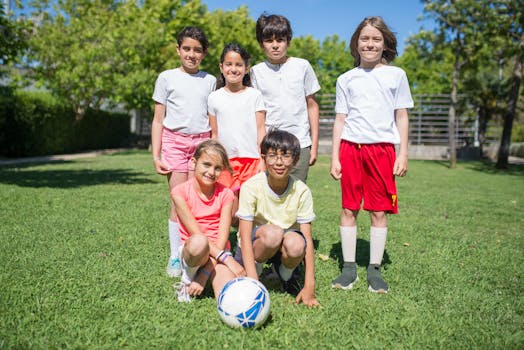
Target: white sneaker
182	290
173	268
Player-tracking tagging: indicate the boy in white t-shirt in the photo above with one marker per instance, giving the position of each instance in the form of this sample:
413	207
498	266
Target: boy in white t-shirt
372	102
288	85
275	212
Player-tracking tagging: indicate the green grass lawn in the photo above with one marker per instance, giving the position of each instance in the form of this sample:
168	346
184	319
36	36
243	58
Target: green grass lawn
84	248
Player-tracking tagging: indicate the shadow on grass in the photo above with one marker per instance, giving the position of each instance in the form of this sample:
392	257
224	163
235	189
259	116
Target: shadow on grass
362	254
16	175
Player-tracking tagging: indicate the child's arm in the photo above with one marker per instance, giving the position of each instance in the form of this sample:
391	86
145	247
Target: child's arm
245	228
307	294
185	216
156	138
313	116
261	132
214	126
401	162
335	146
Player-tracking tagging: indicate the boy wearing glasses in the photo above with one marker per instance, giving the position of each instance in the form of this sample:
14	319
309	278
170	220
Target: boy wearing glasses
275	214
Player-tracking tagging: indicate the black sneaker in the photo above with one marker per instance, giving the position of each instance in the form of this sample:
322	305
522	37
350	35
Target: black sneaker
293	285
375	281
347	278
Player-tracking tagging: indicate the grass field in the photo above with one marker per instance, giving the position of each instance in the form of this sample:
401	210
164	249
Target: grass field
84	248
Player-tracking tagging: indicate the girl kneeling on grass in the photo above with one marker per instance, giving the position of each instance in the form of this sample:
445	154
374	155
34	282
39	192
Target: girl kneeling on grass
203	208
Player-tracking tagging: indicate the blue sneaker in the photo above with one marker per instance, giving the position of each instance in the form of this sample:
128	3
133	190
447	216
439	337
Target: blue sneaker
174	269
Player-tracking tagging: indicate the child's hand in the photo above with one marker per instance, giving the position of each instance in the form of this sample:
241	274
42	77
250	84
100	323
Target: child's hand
400	168
160	167
195	288
307	296
336	169
235	267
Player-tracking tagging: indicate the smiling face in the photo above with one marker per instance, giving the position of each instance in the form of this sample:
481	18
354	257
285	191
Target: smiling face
279	164
191	53
275	49
208	167
233	68
370	47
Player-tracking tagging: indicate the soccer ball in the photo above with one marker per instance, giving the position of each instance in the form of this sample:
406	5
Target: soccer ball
243	302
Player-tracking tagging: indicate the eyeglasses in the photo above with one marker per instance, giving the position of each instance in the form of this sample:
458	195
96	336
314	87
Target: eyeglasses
285	158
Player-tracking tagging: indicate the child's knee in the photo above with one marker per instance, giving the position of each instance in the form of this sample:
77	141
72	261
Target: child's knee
271	236
196	248
294	245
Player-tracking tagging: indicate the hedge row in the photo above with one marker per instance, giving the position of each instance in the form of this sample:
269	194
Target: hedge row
33	123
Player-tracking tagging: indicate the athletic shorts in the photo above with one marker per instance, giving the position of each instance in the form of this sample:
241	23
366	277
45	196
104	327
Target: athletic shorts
367	174
243	169
301	169
178	149
238	251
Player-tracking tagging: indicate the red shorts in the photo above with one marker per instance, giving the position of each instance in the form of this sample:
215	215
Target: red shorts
367	173
178	149
243	169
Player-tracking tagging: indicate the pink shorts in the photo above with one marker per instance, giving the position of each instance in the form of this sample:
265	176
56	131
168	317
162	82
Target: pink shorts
178	149
243	169
367	173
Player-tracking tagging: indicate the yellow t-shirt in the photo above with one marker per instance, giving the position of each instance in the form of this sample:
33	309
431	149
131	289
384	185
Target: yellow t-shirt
258	203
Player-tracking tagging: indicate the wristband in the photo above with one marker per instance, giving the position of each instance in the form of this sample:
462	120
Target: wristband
220	253
224	257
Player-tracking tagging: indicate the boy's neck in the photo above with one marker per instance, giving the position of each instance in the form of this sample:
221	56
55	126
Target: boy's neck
279	61
278	186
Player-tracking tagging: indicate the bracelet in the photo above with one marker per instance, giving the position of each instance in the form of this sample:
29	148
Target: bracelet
220	253
225	256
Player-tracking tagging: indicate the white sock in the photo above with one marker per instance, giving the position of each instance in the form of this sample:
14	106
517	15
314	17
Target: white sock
377	244
174	238
188	272
284	272
348	240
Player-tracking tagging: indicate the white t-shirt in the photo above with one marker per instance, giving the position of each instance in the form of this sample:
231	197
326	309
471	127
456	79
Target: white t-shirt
285	87
258	203
185	97
236	120
369	98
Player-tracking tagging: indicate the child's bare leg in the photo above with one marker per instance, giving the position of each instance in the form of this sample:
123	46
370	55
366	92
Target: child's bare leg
194	255
221	276
293	250
268	242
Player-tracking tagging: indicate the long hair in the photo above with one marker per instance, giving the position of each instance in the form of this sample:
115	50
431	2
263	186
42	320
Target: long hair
390	41
246	80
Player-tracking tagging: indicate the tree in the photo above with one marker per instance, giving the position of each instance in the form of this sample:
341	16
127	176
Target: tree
12	38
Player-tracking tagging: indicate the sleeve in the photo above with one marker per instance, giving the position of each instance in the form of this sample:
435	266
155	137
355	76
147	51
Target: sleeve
259	102
253	78
180	191
211	104
160	94
340	99
403	98
305	211
228	196
311	84
246	202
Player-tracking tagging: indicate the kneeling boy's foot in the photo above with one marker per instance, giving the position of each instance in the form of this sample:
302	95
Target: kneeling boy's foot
174	268
347	278
292	285
375	281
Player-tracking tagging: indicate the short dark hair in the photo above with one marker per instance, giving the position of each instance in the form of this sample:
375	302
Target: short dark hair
193	33
280	140
269	26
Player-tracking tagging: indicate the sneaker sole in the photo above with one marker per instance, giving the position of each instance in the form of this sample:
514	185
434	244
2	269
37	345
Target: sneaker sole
378	291
173	273
340	286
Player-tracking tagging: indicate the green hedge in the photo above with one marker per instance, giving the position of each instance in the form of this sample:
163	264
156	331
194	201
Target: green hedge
34	123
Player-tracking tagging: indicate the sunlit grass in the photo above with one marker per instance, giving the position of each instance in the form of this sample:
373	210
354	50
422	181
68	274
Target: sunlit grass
84	247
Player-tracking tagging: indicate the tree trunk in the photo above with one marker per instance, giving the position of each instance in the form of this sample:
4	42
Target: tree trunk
452	114
509	115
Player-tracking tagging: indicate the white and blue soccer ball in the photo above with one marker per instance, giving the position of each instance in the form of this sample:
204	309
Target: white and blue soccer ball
243	302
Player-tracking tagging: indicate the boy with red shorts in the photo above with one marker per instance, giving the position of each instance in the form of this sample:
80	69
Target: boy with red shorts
372	102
